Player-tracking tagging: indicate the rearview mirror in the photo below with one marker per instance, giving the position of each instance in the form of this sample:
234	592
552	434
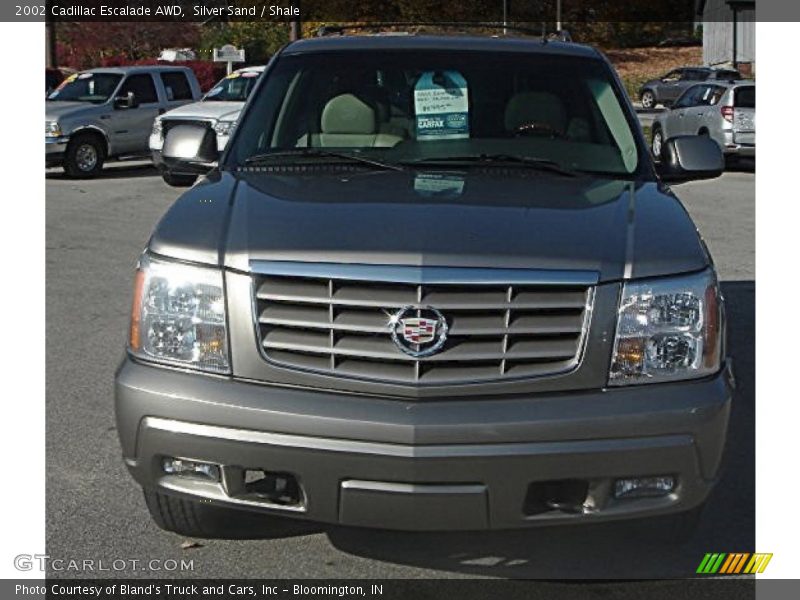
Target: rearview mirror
190	149
690	157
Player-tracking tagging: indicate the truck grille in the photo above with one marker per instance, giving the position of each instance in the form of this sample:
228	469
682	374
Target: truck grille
496	331
167	124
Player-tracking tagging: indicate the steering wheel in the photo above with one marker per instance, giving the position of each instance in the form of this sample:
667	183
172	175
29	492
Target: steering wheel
537	128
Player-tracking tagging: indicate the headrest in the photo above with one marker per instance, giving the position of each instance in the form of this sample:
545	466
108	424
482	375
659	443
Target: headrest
541	107
347	114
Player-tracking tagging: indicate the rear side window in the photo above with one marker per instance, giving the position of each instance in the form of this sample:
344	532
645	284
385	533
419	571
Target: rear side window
176	85
744	97
143	88
728	75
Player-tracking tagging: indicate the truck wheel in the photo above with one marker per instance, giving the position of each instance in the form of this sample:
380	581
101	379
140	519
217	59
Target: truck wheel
192	518
648	99
176	180
676	529
84	157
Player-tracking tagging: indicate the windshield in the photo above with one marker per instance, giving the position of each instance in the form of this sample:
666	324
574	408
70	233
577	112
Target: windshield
413	107
236	87
87	87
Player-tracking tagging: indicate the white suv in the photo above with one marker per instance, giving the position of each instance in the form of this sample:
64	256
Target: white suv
218	109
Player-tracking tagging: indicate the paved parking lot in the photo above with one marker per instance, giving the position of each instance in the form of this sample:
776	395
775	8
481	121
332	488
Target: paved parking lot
95	231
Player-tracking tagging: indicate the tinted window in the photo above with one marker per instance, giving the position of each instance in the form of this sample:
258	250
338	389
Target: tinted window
177	85
745	97
86	87
695	75
691	97
411	106
142	86
236	87
673	75
728	74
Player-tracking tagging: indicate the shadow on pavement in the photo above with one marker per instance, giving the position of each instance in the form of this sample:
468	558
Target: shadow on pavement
111	171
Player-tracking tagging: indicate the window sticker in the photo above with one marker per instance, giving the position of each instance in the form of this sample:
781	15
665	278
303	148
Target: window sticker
441	105
438	185
251	74
233	75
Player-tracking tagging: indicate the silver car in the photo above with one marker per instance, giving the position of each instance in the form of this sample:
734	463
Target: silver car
726	112
108	113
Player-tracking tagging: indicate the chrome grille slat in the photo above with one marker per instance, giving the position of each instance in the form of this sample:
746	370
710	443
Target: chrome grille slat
340	326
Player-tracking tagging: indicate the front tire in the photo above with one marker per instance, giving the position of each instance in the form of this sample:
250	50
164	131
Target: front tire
648	99
196	519
84	157
176	180
657	144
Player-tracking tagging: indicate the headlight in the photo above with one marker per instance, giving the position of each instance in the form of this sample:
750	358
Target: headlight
158	128
178	316
668	329
52	129
224	127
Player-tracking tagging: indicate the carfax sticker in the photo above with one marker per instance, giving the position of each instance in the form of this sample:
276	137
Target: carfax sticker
441	105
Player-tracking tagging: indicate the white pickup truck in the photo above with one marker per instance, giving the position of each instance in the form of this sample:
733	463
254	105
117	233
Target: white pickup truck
218	109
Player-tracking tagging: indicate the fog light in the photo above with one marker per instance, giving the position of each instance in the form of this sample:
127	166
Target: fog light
644	487
179	466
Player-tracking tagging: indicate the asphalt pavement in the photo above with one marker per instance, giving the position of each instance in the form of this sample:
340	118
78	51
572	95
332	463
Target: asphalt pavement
95	232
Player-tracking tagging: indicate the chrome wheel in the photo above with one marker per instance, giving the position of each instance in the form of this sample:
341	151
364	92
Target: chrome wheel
657	144
86	157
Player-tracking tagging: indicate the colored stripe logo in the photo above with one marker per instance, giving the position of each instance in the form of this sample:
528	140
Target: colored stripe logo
720	563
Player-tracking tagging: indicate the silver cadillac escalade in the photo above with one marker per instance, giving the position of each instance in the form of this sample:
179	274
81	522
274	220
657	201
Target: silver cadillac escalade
433	282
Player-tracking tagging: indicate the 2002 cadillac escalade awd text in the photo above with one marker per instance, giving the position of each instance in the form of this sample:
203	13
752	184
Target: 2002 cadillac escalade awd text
434	282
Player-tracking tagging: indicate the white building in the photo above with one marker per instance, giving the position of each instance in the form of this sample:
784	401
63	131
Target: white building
729	33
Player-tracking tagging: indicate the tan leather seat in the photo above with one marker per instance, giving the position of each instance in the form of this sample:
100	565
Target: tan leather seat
535	107
349	122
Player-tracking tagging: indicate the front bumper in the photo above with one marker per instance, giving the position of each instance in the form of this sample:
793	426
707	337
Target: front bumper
425	465
54	150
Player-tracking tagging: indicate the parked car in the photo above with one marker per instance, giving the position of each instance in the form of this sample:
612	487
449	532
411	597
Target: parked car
665	90
725	112
218	110
108	113
434	282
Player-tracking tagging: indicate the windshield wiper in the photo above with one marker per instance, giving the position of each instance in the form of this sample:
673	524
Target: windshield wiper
541	164
267	157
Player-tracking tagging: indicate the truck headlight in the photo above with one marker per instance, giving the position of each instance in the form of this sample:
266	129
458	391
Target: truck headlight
178	316
158	128
668	329
223	128
52	129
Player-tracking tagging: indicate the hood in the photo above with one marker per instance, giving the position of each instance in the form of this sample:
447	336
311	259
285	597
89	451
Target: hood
57	109
502	219
228	111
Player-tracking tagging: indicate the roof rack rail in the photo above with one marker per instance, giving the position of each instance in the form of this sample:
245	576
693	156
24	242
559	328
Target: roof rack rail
339	29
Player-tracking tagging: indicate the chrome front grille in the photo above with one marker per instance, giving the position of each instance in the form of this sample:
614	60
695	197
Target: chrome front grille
340	325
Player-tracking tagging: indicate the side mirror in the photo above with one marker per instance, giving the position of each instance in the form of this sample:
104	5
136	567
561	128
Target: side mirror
689	157
127	101
190	149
